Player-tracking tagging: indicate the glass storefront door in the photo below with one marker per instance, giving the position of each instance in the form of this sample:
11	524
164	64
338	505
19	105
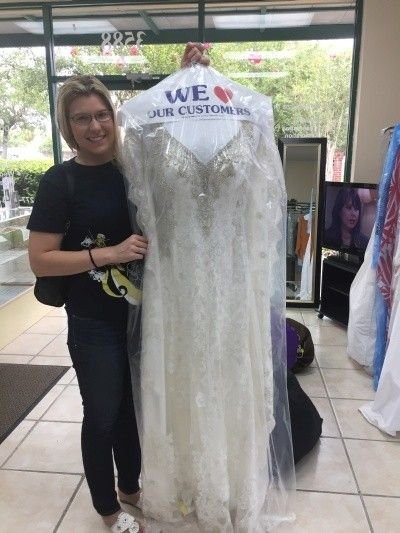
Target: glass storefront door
24	127
300	57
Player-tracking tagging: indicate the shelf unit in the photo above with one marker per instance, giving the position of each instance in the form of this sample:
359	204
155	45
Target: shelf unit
337	277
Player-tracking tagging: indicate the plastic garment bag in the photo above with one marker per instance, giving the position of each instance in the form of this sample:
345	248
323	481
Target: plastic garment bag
307	267
203	169
384	411
361	331
306	283
381	307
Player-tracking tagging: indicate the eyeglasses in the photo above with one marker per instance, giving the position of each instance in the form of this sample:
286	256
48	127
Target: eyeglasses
84	119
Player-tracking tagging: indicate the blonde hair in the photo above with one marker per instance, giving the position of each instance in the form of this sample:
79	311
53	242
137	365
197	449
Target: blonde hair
74	87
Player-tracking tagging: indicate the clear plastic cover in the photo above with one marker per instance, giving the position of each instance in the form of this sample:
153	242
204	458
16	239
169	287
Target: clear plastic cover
203	169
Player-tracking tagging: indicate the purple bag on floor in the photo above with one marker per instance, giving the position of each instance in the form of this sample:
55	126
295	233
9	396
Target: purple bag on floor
300	346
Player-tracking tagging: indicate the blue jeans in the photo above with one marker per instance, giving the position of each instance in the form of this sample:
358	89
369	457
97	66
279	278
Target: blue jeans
99	355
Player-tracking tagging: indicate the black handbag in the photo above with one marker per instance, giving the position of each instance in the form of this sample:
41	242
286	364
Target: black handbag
52	290
305	421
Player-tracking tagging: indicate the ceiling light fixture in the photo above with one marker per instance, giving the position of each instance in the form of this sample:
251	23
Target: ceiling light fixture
258	21
66	27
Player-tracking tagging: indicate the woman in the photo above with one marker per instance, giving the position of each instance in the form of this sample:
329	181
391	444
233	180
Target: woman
97	251
344	231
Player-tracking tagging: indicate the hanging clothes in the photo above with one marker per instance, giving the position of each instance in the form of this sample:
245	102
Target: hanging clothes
384	269
291	232
293	246
384	411
380	253
361	329
306	284
306	272
302	237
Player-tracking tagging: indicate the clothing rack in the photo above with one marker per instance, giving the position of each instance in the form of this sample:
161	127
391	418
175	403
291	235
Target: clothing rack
295	211
300	207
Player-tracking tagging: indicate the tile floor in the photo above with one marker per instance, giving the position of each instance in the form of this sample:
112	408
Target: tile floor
349	483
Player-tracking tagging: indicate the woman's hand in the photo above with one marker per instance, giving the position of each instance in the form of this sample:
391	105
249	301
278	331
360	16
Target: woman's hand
131	249
46	258
195	53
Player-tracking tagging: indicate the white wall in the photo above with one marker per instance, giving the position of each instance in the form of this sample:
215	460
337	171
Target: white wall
378	103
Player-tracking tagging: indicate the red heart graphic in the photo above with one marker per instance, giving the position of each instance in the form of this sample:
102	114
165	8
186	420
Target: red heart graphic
223	94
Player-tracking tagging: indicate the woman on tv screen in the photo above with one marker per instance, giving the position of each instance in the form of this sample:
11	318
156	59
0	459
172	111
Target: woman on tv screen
345	229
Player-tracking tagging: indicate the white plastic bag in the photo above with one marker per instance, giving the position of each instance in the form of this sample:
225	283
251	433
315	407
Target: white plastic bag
361	332
203	170
384	411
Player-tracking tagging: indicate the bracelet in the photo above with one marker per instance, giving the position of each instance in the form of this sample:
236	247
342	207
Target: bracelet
91	258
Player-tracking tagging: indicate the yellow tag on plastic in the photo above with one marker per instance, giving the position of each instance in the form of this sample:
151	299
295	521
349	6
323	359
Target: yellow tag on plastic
183	508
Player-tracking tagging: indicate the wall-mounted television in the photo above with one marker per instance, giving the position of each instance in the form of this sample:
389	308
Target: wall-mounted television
348	216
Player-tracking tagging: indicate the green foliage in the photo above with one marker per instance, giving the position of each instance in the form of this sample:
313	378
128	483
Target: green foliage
155	59
23	89
310	94
311	99
318	93
46	146
21	136
27	175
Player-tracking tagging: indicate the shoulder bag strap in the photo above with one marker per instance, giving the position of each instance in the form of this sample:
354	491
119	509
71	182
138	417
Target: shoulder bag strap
70	189
70	179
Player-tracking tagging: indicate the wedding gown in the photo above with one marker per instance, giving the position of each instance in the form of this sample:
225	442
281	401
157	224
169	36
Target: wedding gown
212	408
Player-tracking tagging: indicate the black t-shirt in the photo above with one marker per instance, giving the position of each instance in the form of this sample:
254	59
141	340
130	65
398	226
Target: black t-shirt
333	238
98	216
